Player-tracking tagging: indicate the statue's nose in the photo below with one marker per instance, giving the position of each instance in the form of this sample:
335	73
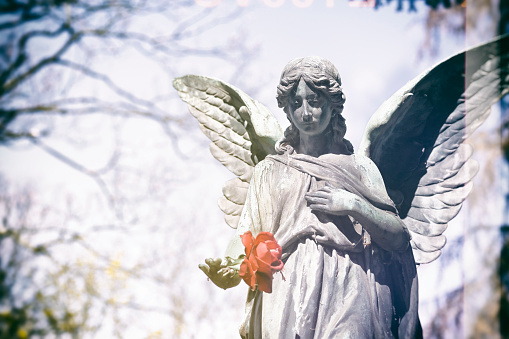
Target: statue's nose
306	115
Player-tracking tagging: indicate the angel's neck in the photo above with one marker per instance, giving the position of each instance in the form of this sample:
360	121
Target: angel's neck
319	145
314	145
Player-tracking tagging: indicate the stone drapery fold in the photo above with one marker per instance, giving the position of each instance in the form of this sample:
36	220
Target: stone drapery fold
335	287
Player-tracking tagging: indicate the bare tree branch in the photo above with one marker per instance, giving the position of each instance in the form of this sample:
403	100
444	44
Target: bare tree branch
95	175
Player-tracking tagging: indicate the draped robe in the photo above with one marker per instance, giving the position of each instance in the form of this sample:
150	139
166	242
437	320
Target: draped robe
339	284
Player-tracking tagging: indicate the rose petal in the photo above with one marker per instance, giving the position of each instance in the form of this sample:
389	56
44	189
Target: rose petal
248	241
275	255
264	282
277	266
253	261
264	258
265	237
247	274
263	253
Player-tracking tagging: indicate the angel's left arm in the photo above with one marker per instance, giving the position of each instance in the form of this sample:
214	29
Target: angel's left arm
384	227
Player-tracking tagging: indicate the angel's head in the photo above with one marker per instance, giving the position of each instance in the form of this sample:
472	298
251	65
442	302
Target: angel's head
320	75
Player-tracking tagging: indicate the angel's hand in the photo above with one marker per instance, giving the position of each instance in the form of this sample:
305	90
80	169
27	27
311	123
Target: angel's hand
332	200
220	274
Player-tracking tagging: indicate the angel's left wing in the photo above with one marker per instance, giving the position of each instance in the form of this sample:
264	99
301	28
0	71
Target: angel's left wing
416	138
242	132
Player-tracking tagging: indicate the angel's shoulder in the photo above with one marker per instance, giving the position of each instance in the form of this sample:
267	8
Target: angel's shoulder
368	170
265	164
364	163
264	168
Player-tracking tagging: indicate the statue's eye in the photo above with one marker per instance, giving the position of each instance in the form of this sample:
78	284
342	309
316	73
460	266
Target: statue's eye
296	103
314	101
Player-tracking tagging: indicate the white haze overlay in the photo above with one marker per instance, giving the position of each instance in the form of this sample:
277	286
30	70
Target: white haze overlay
170	218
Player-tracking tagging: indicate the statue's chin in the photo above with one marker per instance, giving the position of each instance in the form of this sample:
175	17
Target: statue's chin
311	129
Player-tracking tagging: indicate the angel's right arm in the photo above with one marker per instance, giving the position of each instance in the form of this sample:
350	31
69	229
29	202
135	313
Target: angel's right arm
256	212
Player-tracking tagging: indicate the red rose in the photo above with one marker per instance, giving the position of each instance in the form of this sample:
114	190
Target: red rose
263	258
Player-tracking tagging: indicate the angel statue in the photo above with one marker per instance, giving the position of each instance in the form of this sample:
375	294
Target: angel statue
352	226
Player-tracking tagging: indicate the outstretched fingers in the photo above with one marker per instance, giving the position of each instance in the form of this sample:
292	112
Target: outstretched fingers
211	266
221	275
226	272
205	269
214	263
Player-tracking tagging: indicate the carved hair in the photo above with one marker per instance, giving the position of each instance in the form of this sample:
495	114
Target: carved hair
319	74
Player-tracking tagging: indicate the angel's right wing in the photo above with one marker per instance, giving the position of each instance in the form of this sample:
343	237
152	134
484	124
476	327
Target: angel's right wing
416	138
242	131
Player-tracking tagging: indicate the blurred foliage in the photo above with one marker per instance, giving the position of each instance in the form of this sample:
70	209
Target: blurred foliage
454	17
503	315
27	306
503	273
434	4
47	47
55	280
472	21
479	20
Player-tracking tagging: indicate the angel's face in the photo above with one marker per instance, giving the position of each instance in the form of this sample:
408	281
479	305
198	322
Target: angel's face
309	109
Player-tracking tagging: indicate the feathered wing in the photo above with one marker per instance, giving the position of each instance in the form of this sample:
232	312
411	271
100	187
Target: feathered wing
242	132
416	138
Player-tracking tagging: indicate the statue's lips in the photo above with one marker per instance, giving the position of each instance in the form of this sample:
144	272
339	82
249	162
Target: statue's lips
308	125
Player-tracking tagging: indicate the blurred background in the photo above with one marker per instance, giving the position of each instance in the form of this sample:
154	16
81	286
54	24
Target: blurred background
108	193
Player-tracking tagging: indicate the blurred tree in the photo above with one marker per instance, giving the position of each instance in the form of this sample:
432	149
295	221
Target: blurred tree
65	89
434	4
45	45
31	306
479	307
46	53
503	272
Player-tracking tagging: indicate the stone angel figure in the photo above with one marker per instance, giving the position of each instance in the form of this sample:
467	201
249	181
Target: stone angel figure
352	225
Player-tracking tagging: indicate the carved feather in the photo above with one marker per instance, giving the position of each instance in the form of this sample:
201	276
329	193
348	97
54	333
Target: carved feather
242	132
416	138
